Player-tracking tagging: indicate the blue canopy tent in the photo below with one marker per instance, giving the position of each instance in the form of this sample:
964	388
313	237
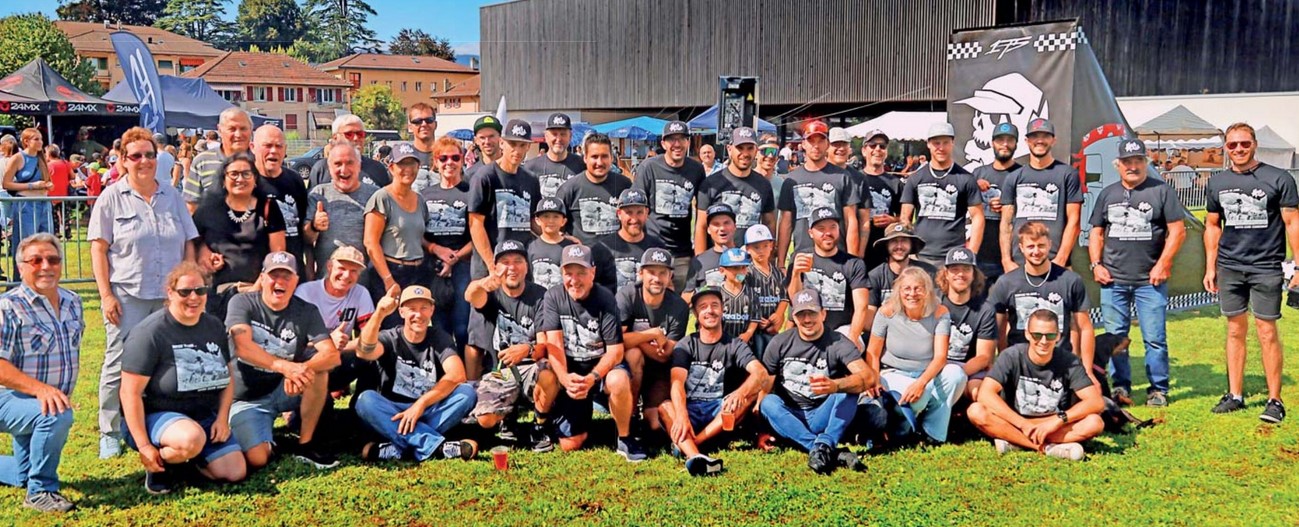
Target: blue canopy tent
462	134
189	103
706	123
638	128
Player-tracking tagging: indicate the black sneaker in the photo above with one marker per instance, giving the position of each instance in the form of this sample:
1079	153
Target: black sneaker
849	460
1229	403
542	440
702	465
464	449
508	431
309	454
1274	412
159	482
48	502
629	448
821	459
375	452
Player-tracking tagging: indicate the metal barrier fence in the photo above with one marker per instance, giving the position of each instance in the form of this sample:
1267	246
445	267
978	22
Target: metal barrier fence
65	216
1190	185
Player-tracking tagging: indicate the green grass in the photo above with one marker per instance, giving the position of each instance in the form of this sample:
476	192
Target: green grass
1194	469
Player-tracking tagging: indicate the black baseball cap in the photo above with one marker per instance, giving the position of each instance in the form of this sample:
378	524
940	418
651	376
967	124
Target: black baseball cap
719	208
632	198
676	128
511	246
559	121
548	205
517	130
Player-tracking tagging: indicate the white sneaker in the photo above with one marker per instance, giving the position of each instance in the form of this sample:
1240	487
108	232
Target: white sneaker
109	447
1004	446
1069	451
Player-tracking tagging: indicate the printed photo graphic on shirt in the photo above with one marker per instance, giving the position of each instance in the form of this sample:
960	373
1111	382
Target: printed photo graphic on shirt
1130	223
509	332
1026	304
937	202
961	336
447	217
598	216
809	197
546	274
200	368
1033	398
705	382
833	288
796	376
1244	211
289	209
881	198
280	345
582	341
747	207
1033	203
671	199
413	380
627	268
550	184
513	211
993	192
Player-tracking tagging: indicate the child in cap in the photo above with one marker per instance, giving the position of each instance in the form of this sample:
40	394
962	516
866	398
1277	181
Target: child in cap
768	283
737	298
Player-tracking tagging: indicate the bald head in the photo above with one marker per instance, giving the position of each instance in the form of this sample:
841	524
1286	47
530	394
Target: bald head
235	129
268	147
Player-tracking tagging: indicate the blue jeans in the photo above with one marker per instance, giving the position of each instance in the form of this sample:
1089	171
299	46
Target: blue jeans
934	407
824	424
1152	306
29	217
377	411
38	443
452	310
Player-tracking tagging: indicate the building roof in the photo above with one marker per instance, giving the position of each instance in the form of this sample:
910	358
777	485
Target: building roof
471	87
94	37
245	67
376	61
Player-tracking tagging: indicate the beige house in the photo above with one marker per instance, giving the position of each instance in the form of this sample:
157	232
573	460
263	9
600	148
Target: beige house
175	54
277	85
461	98
412	78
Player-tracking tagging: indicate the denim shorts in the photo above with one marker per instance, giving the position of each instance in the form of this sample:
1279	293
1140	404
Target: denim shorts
156	424
251	421
703	412
1259	292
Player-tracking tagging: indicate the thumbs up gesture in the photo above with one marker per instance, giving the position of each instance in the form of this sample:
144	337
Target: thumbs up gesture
388	303
321	221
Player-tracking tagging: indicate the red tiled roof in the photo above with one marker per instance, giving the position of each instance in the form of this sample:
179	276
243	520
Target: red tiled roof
94	37
376	61
244	67
471	87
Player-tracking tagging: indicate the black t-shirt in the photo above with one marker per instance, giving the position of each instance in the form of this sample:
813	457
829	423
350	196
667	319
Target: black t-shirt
835	278
544	263
673	315
860	197
1018	295
769	289
372	172
705	269
550	175
409	370
1042	195
1136	225
589	325
805	191
1253	235
507	320
290	193
793	361
990	250
592	207
289	334
671	191
941	204
750	197
505	200
885	198
626	255
448	215
707	365
880	281
187	366
971	322
1038	391
243	245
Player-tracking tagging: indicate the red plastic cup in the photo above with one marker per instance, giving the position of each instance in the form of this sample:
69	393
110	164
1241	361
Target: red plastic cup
501	457
728	421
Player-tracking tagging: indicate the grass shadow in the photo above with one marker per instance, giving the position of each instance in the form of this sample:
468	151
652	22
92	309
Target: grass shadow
1203	380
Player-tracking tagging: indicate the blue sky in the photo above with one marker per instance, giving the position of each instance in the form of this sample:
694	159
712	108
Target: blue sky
454	20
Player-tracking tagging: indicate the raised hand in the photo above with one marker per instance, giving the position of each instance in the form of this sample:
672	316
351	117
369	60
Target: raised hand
388	304
321	222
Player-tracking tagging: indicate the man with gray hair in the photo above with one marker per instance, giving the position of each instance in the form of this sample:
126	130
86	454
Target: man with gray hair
348	127
236	132
336	209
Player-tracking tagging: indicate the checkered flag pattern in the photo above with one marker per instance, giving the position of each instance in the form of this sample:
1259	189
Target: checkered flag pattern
1058	41
963	50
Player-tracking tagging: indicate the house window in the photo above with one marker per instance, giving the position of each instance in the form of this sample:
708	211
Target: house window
419	86
355	78
433	87
389	84
261	94
403	86
101	63
325	96
374	82
290	121
229	95
453	102
446	85
291	95
166	65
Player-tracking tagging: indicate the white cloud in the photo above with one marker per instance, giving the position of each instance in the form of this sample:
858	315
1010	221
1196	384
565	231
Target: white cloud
467	48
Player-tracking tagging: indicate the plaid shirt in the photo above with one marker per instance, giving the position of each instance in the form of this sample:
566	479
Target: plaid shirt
40	344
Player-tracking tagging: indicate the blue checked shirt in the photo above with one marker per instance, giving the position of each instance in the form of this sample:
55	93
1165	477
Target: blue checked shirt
42	344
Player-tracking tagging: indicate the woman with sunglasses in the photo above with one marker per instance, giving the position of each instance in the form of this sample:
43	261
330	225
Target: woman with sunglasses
446	236
395	220
139	230
239	226
176	389
27	175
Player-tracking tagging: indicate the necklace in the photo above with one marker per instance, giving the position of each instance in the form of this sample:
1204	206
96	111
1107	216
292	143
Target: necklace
935	174
242	218
1030	282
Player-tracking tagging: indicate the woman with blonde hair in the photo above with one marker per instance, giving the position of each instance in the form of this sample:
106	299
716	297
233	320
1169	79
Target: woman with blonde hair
908	346
27	175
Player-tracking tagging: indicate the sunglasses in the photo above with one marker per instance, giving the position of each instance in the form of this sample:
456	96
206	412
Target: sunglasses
769	151
1239	144
1043	336
36	260
452	157
142	155
876	145
354	135
191	291
421	121
240	174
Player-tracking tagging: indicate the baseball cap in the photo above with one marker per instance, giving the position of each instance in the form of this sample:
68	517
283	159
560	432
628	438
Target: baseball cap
548	205
559	121
487	121
280	260
511	246
743	136
347	253
960	256
1005	129
401	152
757	233
703	292
632	198
675	128
415	292
1040	125
822	213
941	130
517	130
840	135
734	257
577	254
656	256
877	133
806	300
814	127
720	208
1131	148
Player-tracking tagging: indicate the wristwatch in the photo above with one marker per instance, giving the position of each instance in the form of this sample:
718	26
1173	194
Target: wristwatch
1063	415
1093	265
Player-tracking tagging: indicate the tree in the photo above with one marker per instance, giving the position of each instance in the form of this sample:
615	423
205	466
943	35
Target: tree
198	19
338	26
417	42
378	108
269	23
133	12
26	37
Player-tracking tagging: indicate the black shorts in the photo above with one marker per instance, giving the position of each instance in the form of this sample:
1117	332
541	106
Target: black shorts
573	416
1256	291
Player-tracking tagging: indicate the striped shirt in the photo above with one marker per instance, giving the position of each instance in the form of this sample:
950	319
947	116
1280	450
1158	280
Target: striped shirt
203	174
737	311
768	289
39	343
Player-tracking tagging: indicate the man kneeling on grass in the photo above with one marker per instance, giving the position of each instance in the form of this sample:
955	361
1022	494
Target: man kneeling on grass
1021	404
423	391
698	410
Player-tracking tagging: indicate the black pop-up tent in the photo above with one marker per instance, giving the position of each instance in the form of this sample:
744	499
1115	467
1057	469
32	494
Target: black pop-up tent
187	103
39	90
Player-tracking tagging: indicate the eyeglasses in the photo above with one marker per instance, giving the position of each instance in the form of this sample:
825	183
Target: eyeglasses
880	146
770	151
142	155
1239	144
358	134
421	121
1043	336
36	260
240	174
452	157
191	291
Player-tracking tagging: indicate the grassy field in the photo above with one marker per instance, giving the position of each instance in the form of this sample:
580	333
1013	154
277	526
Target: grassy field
1194	469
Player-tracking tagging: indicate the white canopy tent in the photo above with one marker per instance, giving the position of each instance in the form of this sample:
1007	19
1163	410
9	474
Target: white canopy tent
900	126
1274	150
